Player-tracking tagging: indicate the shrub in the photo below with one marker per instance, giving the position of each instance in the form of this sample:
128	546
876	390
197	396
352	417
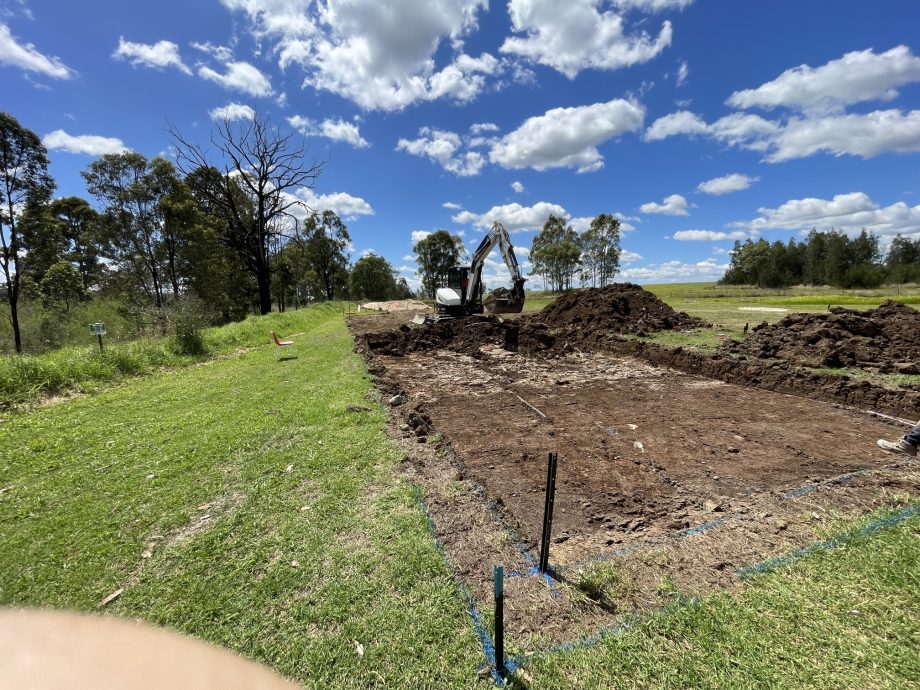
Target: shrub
188	317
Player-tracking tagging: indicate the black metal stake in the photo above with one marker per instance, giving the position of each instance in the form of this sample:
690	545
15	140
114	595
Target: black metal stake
498	575
548	512
100	343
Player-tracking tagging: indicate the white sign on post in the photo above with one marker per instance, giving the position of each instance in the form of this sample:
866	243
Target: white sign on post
97	329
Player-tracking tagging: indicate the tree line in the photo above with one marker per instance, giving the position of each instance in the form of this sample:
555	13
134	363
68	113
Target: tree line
213	236
558	254
824	258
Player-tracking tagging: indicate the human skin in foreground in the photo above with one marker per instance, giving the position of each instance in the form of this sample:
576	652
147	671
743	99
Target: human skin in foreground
49	650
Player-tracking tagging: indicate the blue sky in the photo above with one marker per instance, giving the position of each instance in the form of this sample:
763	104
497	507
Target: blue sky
696	121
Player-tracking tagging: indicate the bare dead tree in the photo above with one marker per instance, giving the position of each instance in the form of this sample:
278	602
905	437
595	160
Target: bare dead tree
250	181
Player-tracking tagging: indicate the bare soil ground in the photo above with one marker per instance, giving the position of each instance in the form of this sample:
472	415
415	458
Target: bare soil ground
643	450
673	480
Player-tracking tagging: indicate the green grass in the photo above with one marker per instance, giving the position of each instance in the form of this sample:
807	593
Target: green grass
845	618
701	339
797	294
605	583
313	542
727	306
25	378
285	474
863	375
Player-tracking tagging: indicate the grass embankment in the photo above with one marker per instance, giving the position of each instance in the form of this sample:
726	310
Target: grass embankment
241	502
24	378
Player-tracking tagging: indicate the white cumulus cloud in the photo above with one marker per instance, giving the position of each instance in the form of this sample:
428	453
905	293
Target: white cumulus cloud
418	236
451	205
628	257
336	130
567	137
847	212
675	271
483	127
344	205
708	235
681	122
381	55
855	77
26	56
88	144
674	205
157	55
445	149
575	35
866	135
231	112
517	187
513	216
239	76
727	184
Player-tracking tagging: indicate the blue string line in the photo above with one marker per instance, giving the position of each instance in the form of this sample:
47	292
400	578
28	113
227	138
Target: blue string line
871	528
479	627
633	548
512	664
551	582
842	479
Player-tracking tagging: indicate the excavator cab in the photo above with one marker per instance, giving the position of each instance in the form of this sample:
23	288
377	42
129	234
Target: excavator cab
453	300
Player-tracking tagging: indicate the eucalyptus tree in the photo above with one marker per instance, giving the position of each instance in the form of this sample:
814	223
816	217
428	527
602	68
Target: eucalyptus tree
24	183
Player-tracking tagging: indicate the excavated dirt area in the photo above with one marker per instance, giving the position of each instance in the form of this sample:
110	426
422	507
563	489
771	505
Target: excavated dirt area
885	339
672	479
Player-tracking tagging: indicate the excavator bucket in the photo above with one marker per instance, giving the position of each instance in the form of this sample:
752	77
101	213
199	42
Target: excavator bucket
504	305
504	301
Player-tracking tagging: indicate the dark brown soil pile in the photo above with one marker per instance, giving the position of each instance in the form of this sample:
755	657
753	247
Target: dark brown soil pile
459	335
618	308
578	319
886	339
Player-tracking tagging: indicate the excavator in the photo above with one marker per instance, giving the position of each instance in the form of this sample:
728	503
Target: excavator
463	294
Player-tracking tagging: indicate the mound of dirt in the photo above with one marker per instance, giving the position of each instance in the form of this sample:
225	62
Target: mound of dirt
574	320
617	308
886	339
459	335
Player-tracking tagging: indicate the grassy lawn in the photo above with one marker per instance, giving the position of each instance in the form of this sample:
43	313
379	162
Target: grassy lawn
273	521
240	502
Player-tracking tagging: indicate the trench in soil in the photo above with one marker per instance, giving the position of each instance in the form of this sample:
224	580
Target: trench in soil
670	477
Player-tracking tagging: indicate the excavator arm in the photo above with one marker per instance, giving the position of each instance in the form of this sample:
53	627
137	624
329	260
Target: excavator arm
509	302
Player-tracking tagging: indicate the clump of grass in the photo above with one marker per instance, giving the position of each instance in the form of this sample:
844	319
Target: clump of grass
874	377
606	584
24	378
700	339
